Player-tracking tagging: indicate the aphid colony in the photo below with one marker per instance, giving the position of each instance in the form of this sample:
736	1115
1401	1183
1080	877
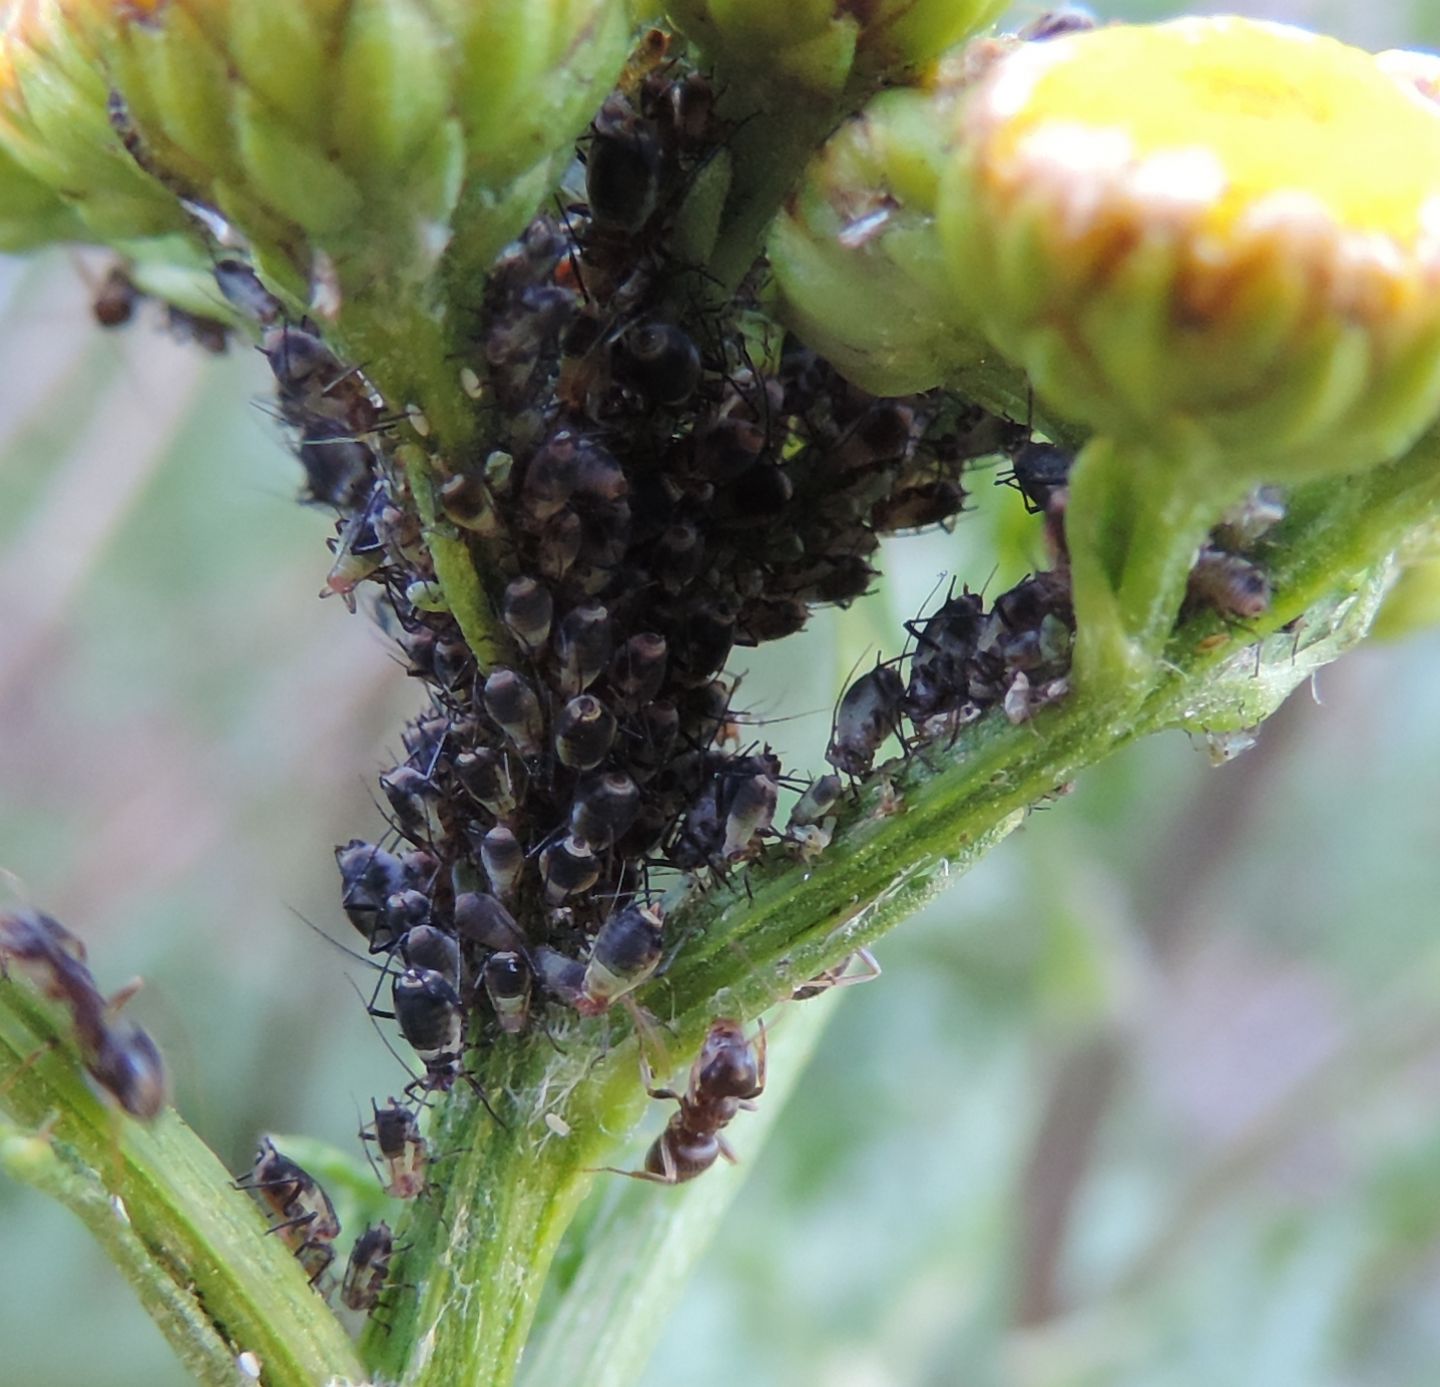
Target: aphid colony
659	478
120	1058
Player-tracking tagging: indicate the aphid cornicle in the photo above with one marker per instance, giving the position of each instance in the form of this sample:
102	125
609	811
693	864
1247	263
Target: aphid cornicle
368	1267
728	1075
395	1130
307	1222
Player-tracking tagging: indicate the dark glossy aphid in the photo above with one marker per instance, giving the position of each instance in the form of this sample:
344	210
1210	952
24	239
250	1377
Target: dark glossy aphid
369	876
411	795
527	609
1039	470
945	644
368	1267
127	1064
429	949
503	859
432	1020
659	361
728	1075
604	807
402	1150
506	977
623	165
482	920
313	383
1231	585
749	814
485	774
567	868
868	714
624	954
582	647
306	1217
584	731
512	703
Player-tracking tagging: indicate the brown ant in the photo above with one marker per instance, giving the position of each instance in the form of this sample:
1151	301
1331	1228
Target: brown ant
728	1074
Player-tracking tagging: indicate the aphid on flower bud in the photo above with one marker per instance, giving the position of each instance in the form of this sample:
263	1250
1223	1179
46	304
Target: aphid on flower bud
486	776
432	1020
367	1268
868	713
412	797
657	360
915	507
1230	585
527	609
567	868
116	299
623	163
242	290
512	703
558	545
369	876
604	807
307	1223
1038	471
701	647
583	645
339	469
503	859
403	911
584	732
396	1134
624	954
506	977
468	502
550	475
638	669
314	384
427	949
483	920
728	1075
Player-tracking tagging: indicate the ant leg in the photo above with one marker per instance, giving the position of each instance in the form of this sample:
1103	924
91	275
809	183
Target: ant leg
726	1150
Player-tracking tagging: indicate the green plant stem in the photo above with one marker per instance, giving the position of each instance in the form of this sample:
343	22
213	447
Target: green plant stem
164	1209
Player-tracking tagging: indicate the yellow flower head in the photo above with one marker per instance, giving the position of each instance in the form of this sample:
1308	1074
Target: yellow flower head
1218	228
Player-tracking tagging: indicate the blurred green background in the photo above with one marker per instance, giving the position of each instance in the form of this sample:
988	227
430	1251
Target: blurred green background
1149	1098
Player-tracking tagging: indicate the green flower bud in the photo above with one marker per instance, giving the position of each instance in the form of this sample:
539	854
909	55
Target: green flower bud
1217	243
856	256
